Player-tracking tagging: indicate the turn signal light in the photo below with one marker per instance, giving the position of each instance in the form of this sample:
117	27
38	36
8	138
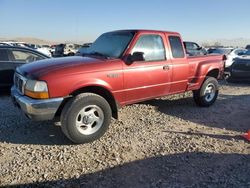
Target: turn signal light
37	95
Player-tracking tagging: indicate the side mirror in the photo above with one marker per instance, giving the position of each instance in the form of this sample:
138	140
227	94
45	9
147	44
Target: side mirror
199	48
136	56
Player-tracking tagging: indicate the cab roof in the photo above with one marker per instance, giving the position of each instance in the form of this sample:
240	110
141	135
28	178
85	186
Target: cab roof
146	31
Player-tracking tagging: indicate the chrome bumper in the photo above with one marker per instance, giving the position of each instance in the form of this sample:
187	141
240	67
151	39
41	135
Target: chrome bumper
38	110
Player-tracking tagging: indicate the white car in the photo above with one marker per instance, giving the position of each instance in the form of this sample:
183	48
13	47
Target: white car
39	48
83	49
234	54
65	50
44	51
12	43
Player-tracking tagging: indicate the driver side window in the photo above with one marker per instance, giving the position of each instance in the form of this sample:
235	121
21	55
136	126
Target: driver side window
152	46
24	57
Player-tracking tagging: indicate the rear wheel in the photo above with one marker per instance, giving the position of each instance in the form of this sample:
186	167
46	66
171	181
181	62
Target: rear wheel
208	92
85	118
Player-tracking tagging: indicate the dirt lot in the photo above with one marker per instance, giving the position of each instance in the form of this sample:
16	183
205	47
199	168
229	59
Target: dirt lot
166	142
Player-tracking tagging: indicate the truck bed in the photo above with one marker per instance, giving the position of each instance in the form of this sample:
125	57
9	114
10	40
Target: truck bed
197	65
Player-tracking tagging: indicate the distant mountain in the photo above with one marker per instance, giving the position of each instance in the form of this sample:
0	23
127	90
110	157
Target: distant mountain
236	42
33	40
30	40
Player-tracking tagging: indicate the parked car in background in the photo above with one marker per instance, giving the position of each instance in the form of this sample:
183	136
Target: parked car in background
235	53
13	56
62	50
59	50
83	49
14	43
52	49
32	46
4	44
240	69
221	51
21	44
70	49
40	49
193	49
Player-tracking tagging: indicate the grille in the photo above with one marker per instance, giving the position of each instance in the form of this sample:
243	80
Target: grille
19	83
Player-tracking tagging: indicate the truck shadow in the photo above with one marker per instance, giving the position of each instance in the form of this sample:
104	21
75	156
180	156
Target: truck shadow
216	136
43	133
18	129
230	112
198	169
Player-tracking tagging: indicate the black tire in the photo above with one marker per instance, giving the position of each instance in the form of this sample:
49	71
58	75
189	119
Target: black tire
71	114
231	79
71	54
200	98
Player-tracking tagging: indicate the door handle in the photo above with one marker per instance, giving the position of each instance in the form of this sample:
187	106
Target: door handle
166	67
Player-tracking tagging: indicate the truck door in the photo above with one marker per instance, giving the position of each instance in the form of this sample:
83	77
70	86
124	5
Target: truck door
149	78
180	65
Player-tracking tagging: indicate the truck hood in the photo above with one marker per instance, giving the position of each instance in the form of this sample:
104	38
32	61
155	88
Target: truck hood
63	66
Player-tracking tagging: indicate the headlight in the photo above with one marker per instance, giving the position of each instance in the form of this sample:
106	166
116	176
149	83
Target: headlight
36	89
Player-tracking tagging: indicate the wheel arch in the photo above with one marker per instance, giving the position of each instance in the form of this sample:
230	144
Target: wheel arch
213	73
99	90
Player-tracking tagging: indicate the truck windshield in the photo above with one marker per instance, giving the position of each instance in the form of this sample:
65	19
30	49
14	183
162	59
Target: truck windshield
110	45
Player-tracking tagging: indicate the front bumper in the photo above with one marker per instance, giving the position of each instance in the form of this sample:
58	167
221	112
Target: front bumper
35	109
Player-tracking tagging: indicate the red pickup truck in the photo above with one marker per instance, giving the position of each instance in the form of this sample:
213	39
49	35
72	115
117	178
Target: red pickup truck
120	68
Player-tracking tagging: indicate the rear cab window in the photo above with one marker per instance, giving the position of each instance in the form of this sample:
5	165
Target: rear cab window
176	47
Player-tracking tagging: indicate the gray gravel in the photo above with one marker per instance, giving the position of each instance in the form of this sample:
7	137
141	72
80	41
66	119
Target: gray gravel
168	142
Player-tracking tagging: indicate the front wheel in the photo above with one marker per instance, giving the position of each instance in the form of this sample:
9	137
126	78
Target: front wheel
208	92
85	118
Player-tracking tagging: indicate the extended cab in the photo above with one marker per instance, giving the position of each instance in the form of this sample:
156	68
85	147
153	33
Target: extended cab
119	68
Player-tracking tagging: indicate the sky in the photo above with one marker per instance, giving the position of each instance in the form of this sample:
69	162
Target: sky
85	20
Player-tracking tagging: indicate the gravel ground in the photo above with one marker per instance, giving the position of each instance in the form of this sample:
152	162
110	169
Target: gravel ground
168	142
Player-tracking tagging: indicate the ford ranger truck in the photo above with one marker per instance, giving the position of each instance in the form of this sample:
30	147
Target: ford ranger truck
119	68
